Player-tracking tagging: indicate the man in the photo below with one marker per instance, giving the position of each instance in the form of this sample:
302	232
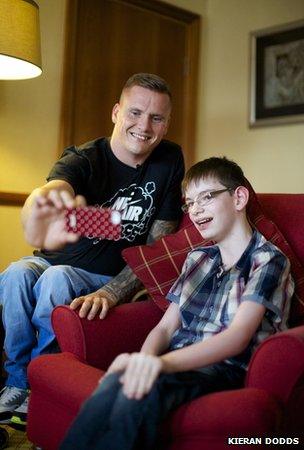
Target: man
135	171
228	298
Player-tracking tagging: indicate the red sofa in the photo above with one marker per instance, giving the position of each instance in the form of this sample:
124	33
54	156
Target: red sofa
270	404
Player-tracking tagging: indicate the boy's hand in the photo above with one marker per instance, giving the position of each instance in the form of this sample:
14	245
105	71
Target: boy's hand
140	371
119	364
140	374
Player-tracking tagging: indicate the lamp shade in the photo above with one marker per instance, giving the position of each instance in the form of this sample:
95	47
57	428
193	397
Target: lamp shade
20	54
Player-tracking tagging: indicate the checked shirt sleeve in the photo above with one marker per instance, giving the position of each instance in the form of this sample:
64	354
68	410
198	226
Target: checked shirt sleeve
270	283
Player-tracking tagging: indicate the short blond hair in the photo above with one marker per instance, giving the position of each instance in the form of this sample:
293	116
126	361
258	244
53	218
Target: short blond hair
149	81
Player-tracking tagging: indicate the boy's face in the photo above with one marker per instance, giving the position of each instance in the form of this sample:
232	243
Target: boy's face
213	217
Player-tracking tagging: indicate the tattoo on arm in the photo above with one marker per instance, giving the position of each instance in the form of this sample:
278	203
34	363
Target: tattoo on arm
160	228
124	286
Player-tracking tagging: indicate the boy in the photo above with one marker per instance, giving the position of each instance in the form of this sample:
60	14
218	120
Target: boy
228	298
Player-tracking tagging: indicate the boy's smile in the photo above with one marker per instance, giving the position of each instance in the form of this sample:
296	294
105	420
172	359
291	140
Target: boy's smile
212	216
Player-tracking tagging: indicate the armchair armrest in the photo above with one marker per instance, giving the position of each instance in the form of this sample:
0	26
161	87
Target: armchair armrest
80	379
97	341
277	366
60	383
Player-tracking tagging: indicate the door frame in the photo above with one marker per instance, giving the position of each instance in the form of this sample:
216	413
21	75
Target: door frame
192	22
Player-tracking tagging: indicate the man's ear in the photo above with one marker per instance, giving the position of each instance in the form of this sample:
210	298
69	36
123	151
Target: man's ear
115	112
241	195
167	125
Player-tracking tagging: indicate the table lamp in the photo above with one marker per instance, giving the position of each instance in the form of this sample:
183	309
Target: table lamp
20	54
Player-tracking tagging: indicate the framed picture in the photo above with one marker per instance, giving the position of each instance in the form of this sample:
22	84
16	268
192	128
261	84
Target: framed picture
277	75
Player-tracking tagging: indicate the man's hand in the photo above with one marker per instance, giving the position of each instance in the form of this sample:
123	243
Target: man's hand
45	223
140	371
98	302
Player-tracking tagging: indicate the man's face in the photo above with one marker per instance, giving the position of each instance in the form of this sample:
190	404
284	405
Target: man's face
214	218
141	121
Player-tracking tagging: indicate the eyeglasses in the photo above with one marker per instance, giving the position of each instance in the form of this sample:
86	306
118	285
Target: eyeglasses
203	199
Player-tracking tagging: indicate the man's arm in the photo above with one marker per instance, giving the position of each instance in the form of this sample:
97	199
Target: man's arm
57	186
43	215
123	286
161	228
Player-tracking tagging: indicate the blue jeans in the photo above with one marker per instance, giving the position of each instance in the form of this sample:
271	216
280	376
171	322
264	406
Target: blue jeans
108	420
29	290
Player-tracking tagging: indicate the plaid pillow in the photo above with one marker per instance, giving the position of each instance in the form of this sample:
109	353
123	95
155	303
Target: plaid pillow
159	264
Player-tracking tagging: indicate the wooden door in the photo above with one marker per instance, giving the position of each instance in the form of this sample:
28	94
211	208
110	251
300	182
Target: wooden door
109	40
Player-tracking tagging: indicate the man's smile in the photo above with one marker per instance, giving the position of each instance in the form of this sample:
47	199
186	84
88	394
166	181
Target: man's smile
141	137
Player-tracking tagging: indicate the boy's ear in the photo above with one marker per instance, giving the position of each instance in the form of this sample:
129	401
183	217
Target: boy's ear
241	195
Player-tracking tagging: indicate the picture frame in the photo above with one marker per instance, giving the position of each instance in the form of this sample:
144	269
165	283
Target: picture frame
277	75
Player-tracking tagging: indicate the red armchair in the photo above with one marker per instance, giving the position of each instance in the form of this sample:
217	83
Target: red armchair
270	403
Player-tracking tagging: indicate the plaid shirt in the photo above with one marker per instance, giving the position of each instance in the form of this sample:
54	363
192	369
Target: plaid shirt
209	297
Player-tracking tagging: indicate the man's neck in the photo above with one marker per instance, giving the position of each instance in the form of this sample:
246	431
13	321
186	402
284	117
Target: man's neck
127	158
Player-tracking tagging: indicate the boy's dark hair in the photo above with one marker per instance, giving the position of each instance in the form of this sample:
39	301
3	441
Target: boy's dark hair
149	81
227	172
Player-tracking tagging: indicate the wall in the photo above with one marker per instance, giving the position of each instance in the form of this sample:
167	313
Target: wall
199	7
29	127
272	157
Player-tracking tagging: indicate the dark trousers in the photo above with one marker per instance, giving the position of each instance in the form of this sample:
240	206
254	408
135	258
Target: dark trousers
108	420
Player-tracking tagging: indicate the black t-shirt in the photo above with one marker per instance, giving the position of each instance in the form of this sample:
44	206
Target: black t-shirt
142	195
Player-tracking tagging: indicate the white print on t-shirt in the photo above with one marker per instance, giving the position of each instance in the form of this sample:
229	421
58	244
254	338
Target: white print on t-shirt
135	204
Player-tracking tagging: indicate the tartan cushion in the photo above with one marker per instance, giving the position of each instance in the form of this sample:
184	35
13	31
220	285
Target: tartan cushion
159	264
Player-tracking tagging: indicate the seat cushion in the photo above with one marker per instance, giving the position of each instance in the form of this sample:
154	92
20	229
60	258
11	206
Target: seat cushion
246	411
